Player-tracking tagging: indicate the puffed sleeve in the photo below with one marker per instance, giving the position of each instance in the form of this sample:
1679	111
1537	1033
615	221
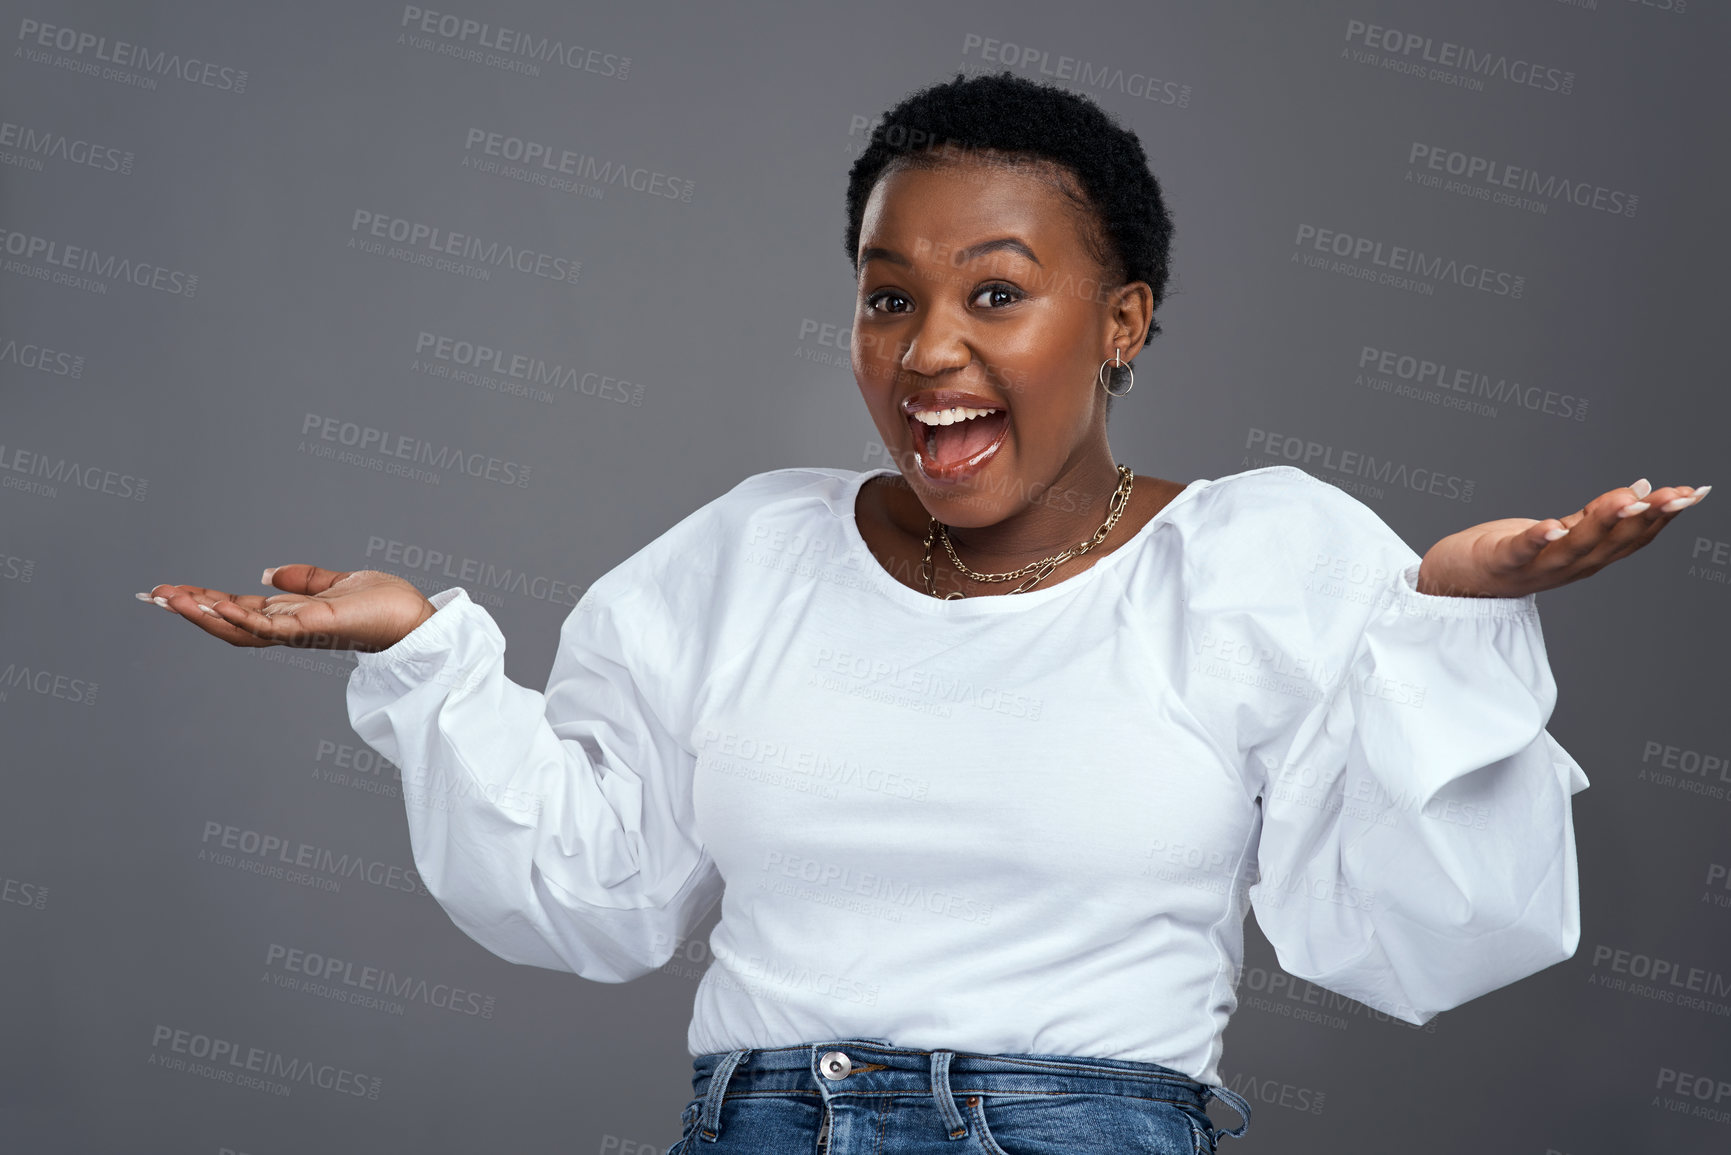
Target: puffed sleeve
1417	845
556	828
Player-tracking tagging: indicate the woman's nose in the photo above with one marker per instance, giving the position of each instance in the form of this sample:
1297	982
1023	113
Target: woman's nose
935	348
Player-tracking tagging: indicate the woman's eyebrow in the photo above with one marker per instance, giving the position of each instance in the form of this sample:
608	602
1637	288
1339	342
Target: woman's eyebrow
1012	244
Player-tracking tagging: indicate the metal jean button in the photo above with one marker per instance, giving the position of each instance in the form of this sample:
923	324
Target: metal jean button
835	1065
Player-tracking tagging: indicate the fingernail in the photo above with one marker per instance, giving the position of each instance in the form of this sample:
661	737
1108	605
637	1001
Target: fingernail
143	597
1632	508
1677	503
266	578
207	609
1554	534
1642	488
1702	492
163	602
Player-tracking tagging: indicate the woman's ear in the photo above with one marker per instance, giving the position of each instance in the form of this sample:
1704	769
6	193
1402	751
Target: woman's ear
1132	309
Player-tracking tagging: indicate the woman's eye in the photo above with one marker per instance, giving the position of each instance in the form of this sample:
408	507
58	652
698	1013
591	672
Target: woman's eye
998	296
1006	290
872	302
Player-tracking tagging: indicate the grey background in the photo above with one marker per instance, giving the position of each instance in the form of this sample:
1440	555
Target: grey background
123	734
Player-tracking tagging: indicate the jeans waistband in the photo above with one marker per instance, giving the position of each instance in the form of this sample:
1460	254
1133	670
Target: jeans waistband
875	1066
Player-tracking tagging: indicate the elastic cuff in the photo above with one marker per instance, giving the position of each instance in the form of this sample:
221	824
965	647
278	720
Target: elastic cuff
430	635
1409	600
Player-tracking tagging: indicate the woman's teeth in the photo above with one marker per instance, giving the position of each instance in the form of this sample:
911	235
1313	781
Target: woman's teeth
950	416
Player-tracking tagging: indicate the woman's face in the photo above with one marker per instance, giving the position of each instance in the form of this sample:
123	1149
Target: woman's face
975	290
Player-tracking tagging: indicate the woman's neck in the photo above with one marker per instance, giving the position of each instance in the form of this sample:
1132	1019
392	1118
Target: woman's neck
1058	517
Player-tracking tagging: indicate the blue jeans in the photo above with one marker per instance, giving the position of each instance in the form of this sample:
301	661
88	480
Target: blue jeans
866	1097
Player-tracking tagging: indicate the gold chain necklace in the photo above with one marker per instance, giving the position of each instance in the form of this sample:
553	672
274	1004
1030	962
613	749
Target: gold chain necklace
936	529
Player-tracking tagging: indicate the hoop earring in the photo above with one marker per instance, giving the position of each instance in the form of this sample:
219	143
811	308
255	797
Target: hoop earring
1099	373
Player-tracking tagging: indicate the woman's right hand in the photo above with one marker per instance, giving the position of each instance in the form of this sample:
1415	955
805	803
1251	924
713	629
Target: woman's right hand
319	609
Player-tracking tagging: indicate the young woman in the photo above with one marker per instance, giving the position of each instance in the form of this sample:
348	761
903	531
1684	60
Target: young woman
993	750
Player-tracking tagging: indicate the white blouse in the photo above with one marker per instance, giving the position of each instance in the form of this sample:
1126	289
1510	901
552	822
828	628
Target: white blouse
1022	823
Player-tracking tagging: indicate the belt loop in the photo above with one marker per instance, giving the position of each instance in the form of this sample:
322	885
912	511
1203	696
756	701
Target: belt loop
1234	1100
709	1122
946	1100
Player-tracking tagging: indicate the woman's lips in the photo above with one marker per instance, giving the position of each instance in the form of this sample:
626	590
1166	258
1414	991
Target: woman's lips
955	471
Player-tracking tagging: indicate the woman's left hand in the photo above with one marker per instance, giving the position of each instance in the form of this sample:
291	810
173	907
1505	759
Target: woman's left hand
1514	557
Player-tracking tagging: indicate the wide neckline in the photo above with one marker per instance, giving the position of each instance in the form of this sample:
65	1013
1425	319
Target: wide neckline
991	603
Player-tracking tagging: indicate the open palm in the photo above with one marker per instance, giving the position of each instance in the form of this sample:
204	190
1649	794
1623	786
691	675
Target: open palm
318	609
1516	556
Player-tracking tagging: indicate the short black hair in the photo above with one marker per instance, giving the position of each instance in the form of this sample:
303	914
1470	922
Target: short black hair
1003	113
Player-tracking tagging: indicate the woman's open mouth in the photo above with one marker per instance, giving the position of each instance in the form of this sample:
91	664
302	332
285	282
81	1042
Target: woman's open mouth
953	444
